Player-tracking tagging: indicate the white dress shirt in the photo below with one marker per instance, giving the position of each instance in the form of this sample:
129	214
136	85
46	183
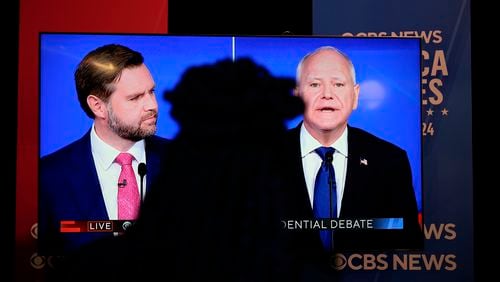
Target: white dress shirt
311	162
108	171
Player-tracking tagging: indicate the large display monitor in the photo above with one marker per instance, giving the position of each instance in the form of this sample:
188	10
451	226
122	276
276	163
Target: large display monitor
388	71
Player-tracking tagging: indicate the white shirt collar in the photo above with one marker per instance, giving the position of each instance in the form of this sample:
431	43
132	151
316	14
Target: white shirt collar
308	144
106	154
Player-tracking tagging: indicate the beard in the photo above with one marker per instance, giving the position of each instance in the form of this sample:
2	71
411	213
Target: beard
130	132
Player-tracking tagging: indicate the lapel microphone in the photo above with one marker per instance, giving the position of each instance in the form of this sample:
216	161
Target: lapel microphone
142	170
122	184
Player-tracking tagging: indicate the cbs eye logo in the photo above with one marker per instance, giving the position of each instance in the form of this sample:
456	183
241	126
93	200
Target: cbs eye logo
360	262
34	230
338	261
37	261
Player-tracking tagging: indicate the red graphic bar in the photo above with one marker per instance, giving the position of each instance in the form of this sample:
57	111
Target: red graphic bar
70	226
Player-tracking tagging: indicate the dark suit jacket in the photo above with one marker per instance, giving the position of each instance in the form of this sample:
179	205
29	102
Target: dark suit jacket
69	190
380	189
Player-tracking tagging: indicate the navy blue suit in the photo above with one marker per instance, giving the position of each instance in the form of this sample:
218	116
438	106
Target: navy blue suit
69	189
378	185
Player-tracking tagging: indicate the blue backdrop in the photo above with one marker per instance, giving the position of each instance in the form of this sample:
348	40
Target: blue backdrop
445	30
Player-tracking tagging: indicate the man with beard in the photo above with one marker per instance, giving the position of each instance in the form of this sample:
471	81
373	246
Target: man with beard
96	177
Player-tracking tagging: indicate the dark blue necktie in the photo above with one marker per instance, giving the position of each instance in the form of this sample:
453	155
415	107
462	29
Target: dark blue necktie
325	194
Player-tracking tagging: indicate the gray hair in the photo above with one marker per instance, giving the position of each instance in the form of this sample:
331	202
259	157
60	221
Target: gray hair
322	48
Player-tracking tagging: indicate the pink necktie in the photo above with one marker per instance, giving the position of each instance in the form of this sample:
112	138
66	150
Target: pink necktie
128	193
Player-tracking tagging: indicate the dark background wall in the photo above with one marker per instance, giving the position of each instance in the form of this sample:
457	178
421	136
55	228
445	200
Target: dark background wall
9	114
257	17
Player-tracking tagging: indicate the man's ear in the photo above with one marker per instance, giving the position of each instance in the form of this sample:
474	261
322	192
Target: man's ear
296	91
356	97
97	106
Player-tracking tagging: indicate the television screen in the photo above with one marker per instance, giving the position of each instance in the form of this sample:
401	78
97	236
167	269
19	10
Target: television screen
387	70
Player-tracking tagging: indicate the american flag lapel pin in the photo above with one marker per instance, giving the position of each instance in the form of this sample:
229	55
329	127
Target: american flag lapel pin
363	161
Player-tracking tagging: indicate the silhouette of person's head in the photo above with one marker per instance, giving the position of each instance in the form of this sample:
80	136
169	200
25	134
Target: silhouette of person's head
232	97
